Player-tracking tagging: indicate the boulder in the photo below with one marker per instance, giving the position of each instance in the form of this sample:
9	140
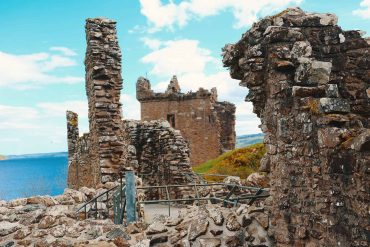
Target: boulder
43	200
155	228
216	214
232	223
47	222
7	228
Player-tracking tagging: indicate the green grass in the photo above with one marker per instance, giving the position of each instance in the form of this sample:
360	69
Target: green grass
239	162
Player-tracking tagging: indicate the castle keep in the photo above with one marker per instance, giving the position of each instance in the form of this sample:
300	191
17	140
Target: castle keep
207	125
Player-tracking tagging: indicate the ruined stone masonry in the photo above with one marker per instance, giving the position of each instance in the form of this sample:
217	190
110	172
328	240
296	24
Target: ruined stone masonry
153	150
103	86
309	82
208	125
161	155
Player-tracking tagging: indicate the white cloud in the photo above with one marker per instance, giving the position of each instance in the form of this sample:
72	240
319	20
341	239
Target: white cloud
153	44
27	71
64	50
245	12
130	107
193	66
178	57
363	12
44	122
60	108
17	117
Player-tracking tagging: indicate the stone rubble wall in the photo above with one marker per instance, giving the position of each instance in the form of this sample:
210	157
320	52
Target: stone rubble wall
160	155
309	82
44	221
208	125
103	86
208	226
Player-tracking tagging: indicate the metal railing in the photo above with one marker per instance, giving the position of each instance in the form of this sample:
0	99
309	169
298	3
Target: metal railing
94	201
234	194
119	205
260	193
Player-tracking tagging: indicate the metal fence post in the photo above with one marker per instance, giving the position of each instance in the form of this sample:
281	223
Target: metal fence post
130	196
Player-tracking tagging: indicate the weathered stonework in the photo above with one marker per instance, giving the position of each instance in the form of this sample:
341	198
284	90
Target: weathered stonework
153	150
103	86
161	156
208	125
72	132
307	80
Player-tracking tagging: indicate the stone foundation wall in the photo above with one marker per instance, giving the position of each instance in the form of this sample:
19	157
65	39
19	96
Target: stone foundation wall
206	129
309	83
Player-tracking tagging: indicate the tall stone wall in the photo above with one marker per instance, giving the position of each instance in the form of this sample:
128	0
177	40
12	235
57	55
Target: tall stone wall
194	114
103	86
309	82
226	116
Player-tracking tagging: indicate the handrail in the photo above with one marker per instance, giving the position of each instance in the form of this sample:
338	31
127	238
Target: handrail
201	185
96	197
119	204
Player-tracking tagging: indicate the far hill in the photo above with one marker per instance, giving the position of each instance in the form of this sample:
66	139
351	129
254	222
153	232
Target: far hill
245	140
2	157
239	162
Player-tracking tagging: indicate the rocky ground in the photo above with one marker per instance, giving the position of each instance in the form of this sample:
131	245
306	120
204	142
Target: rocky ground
53	221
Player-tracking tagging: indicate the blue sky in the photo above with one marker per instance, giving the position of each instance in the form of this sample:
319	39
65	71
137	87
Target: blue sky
42	50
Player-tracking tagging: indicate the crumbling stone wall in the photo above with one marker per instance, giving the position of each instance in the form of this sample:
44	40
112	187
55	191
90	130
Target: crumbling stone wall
208	125
80	170
161	155
309	83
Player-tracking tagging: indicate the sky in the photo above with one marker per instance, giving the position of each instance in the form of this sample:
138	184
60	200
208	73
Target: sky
42	49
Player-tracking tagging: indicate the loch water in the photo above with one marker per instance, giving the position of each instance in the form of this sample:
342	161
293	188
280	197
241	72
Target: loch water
29	175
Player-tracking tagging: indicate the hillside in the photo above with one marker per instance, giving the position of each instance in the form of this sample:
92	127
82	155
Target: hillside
245	140
2	157
240	162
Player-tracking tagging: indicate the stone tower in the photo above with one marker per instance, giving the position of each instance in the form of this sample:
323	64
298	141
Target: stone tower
103	85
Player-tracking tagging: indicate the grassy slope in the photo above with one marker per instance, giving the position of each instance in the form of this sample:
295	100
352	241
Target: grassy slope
240	162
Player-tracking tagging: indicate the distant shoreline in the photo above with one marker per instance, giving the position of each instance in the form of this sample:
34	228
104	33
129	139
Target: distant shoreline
2	157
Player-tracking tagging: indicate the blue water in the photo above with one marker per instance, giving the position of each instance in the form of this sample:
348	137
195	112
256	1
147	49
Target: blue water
29	175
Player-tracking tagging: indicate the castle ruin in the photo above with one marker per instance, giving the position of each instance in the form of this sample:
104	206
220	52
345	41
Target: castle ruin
208	125
309	82
152	149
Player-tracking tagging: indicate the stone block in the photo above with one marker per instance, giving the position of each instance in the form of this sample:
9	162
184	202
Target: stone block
333	105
